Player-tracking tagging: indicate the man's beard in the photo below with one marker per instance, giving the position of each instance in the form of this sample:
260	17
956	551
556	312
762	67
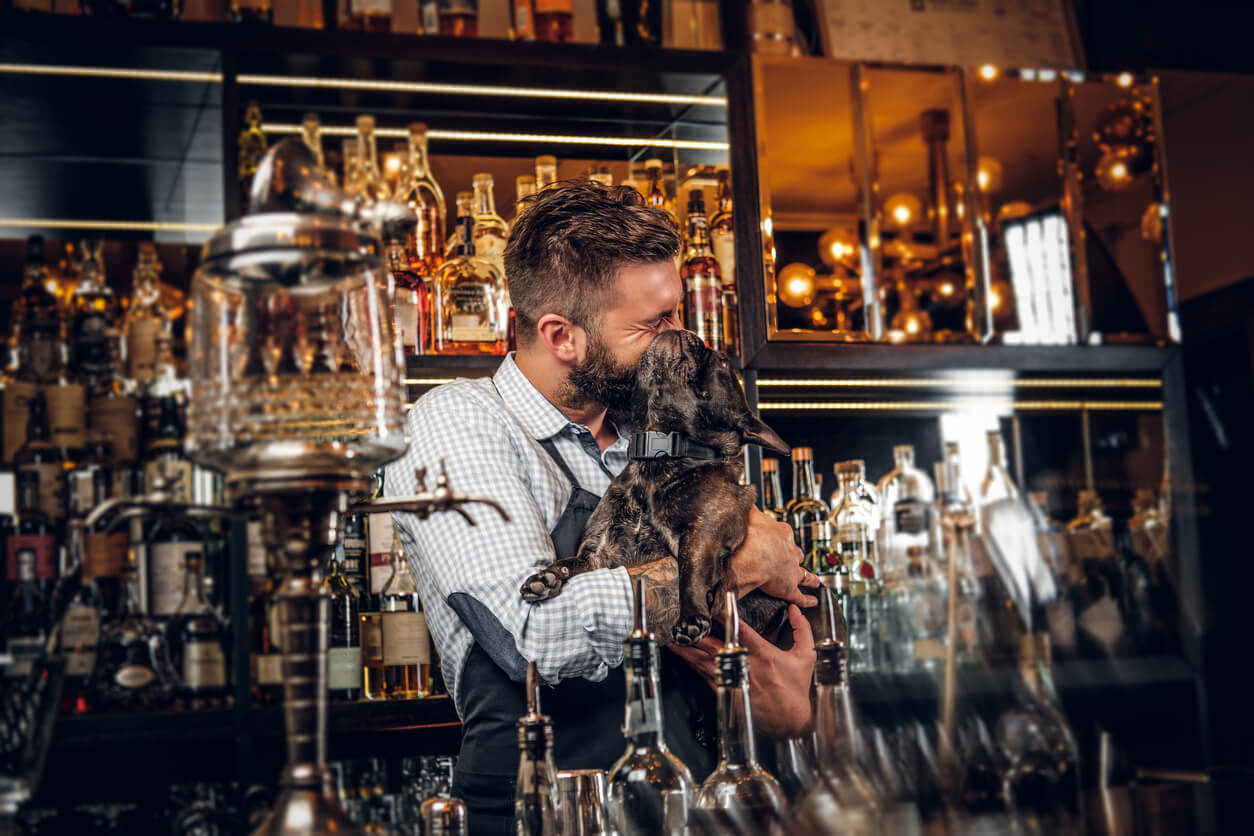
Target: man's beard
599	378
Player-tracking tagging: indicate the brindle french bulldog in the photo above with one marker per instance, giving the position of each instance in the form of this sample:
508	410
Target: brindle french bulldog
691	509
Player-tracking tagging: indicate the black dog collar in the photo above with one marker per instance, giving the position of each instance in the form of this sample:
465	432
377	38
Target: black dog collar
651	445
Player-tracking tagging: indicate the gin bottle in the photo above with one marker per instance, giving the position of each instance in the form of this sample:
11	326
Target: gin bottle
906	497
650	790
535	793
739	784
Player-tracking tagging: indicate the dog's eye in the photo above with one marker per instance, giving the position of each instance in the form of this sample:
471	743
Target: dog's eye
704	394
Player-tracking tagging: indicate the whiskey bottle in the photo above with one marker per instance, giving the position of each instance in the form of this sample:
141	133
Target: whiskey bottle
739	783
37	322
465	203
344	640
723	243
546	171
252	11
421	191
370	185
25	612
165	458
173	540
197	641
80	629
36	534
252	147
91	480
535	792
772	496
113	414
406	643
650	790
265	661
703	282
555	20
370	15
133	669
804	508
355	559
43	462
906	496
468	299
656	196
411	304
459	18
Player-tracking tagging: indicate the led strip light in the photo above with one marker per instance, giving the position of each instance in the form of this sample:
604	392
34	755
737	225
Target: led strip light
107	226
494	136
905	382
958	406
113	72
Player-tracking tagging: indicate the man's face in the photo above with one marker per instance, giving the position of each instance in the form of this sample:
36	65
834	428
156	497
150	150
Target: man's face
645	303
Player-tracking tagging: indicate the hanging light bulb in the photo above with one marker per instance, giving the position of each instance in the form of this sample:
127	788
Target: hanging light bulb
1113	173
902	210
838	246
988	72
796	284
989	175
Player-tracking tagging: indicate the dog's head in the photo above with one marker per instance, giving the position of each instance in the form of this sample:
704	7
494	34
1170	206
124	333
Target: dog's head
683	386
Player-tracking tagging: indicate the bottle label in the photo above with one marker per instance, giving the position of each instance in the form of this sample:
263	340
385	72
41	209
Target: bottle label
104	554
25	650
405	640
928	612
91	345
80	491
119	417
522	19
406	308
380	530
16	395
180	468
371	640
267	668
141	334
166	572
67	414
41	552
134	676
371	7
356	550
724	245
912	516
343	668
204	665
256	549
80	633
430	17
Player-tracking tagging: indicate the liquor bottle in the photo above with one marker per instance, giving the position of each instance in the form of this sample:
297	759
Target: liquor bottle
650	790
823	559
524	188
906	497
197	639
610	29
656	194
546	171
535	793
165	458
844	800
421	191
348	153
411	303
555	20
37	323
133	669
491	233
1000	508
80	627
265	661
465	209
370	15
955	523
703	283
1098	588
104	558
35	532
997	484
739	782
1150	598
804	508
723	244
406	643
601	174
311	135
25	611
863	491
113	418
855	524
146	317
252	147
522	21
921	616
459	18
174	539
344	639
43	462
772	496
370	185
91	471
355	560
252	11
468	297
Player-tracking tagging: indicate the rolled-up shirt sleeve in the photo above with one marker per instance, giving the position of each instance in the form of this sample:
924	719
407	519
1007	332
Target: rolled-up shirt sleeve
478	570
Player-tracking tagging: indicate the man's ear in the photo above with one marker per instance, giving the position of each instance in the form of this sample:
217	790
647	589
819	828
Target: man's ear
561	337
754	431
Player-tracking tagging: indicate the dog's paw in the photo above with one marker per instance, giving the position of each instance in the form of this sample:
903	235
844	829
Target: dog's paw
544	585
690	631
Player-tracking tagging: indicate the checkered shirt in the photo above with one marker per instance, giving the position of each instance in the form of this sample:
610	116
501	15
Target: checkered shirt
487	432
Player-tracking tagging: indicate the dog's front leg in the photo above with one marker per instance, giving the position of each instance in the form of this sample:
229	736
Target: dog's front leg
700	579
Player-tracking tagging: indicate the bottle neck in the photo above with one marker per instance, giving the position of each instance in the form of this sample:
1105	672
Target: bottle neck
771	491
735	725
802	479
833	728
193	584
698	234
642	724
312	136
485	202
418	163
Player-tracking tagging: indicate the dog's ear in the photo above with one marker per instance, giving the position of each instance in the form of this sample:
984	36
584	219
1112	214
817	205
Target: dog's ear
754	431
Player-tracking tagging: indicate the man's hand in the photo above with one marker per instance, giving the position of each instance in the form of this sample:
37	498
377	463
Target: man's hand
769	560
779	680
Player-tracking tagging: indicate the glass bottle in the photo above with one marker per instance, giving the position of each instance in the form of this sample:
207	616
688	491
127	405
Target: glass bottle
165	458
311	135
197	640
555	20
468	298
524	188
739	783
546	171
344	640
348	153
36	533
723	243
133	670
465	209
252	11
423	194
823	559
265	660
43	462
772	495
601	174
25	611
535	793
655	196
906	497
491	233
174	539
370	15
411	304
863	491
146	317
459	18
650	790
1098	586
1150	599
403	624
854	525
355	557
703	283
922	616
37	329
804	508
371	186
955	522
80	625
252	147
997	484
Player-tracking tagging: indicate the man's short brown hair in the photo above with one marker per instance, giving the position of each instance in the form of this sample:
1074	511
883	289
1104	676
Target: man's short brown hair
568	244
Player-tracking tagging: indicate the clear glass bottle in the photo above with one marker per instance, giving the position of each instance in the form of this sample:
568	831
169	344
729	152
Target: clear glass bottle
403	625
955	522
524	188
468	302
854	523
311	135
864	492
491	233
703	282
650	790
344	670
922	615
146	317
906	498
465	209
197	639
421	188
459	18
723	243
370	15
370	185
546	171
772	495
555	20
996	484
535	793
739	783
823	559
133	670
804	508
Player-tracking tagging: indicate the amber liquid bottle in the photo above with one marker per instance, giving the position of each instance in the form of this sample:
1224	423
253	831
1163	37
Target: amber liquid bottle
555	20
459	18
703	281
370	15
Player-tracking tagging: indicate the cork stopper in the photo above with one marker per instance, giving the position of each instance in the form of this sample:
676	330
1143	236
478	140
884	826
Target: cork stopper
770	465
802	454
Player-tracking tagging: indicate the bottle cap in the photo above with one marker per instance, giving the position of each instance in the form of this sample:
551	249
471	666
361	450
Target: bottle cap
546	160
802	454
483	178
853	467
821	530
652	163
770	465
417	128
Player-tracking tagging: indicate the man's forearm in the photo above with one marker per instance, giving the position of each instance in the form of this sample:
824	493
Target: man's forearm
661	595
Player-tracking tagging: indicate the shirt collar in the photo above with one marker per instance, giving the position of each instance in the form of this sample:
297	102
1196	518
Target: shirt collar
537	414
